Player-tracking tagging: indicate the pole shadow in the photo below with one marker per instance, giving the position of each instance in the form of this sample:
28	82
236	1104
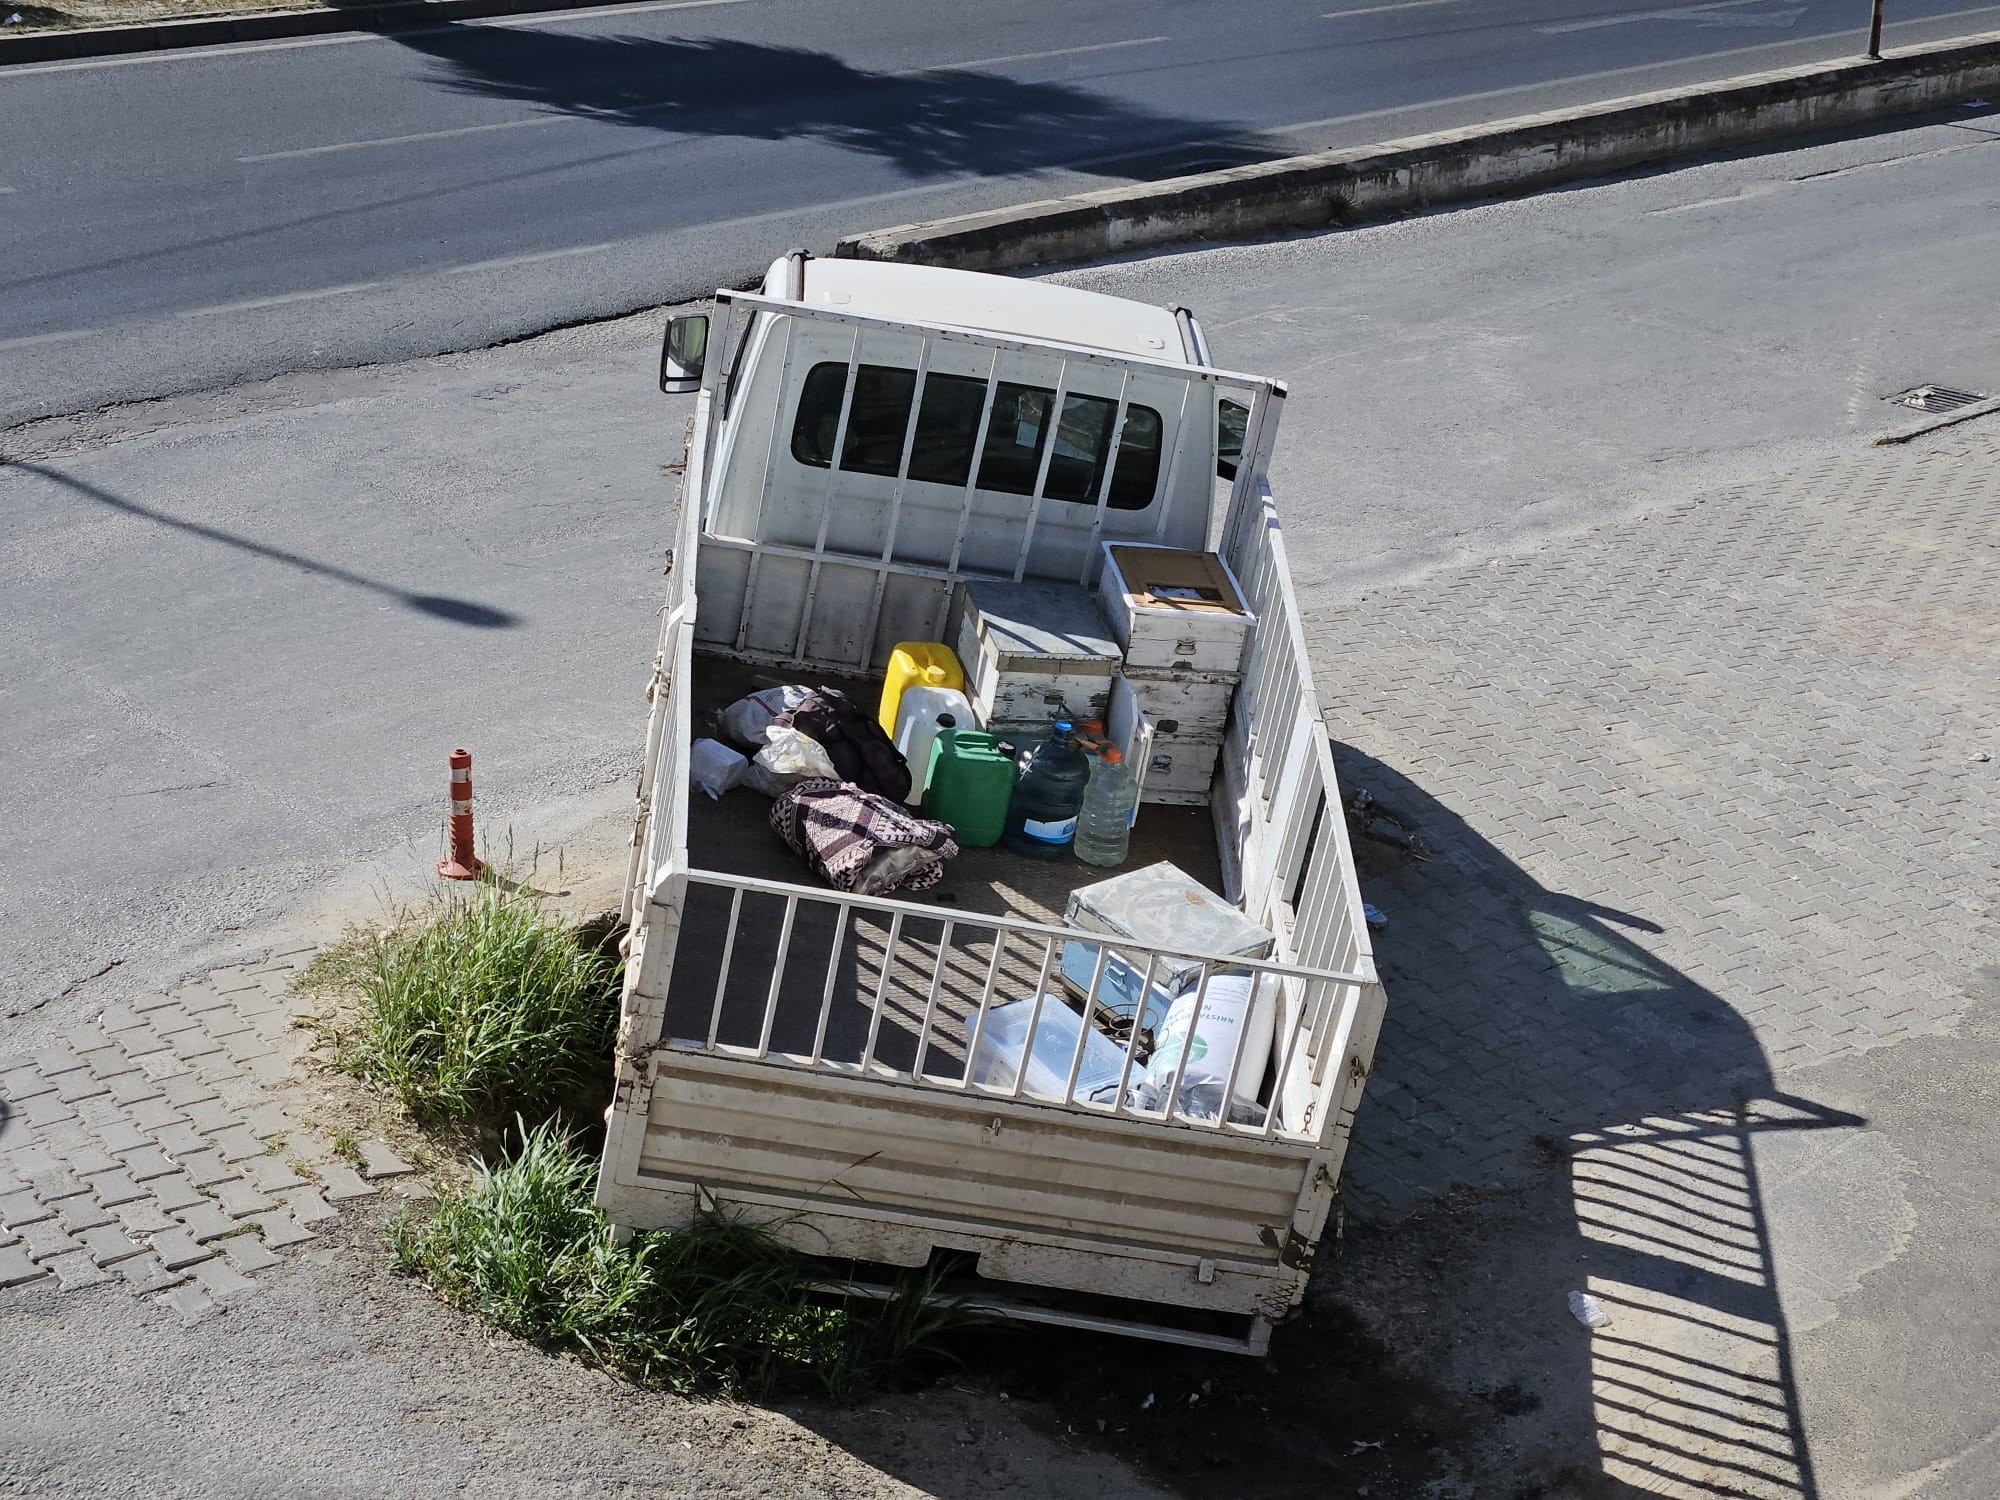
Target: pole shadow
438	606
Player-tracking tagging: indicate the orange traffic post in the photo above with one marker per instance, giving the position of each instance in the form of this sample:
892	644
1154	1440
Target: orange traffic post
462	864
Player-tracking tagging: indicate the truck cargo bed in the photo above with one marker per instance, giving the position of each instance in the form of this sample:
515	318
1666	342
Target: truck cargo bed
732	836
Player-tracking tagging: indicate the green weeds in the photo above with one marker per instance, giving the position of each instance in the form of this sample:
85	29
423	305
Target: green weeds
486	1007
719	1306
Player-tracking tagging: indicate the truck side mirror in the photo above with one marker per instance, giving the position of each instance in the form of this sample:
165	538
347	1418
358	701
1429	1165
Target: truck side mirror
683	353
1230	419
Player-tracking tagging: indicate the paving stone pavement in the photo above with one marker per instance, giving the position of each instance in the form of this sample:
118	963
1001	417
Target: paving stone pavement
157	1146
1709	796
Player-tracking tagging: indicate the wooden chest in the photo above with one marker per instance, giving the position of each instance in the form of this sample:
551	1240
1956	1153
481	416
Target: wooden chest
1033	652
1172	608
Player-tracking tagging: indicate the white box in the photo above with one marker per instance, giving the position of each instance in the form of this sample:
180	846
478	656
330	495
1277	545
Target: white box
1190	704
1158	904
1180	771
1174	769
1033	652
1170	607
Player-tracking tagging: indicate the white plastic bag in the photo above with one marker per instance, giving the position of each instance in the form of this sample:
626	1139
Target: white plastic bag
744	721
714	767
788	757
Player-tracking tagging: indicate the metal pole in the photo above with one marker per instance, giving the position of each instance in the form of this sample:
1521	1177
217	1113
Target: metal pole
1875	32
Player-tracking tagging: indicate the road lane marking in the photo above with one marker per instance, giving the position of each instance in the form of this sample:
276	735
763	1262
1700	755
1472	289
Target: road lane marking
1712	14
348	38
501	262
1765	189
1742	195
1014	57
400	140
1376	10
253	303
46	338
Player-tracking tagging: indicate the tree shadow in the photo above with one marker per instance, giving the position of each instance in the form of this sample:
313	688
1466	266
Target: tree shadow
927	123
437	606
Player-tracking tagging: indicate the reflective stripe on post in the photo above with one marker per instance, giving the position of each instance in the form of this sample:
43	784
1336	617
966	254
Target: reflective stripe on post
462	863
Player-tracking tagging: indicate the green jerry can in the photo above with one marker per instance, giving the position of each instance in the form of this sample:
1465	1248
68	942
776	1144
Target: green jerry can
971	783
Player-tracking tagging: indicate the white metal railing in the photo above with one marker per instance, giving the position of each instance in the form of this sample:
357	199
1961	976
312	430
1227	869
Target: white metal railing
1294	867
735	309
875	969
659	837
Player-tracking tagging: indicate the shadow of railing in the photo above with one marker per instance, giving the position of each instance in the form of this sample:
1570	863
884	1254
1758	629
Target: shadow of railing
1528	1028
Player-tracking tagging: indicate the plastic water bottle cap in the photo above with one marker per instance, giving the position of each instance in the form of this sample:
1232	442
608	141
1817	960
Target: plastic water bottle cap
946	721
1062	726
1113	755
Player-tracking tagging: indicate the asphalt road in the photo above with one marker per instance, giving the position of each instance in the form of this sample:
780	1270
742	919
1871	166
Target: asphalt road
182	220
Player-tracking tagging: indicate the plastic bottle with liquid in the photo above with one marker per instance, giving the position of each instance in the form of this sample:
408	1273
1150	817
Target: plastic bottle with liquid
1041	822
1104	825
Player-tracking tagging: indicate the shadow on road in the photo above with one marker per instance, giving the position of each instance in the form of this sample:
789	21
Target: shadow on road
438	606
929	123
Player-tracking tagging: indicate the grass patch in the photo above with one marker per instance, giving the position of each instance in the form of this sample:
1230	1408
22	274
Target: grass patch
486	1007
718	1307
340	966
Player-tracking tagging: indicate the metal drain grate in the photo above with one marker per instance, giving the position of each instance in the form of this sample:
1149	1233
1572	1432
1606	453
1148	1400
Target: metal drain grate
1935	398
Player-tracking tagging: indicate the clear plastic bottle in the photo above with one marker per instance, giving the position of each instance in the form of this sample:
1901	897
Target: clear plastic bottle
1104	826
1041	821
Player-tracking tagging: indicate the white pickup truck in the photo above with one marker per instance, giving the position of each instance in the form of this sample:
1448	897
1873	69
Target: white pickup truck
801	1056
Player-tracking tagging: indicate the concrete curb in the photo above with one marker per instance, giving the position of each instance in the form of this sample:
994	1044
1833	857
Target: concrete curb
1481	161
1946	419
210	31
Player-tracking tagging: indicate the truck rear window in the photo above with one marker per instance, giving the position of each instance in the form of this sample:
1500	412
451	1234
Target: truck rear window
948	424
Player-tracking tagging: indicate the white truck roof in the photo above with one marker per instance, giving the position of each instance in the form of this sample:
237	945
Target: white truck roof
992	304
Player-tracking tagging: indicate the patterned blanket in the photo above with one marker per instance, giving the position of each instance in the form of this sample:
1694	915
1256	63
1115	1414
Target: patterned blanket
847	836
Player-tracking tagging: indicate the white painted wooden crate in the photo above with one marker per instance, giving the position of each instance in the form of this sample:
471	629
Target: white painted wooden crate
1033	652
1180	770
1194	704
1169	607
